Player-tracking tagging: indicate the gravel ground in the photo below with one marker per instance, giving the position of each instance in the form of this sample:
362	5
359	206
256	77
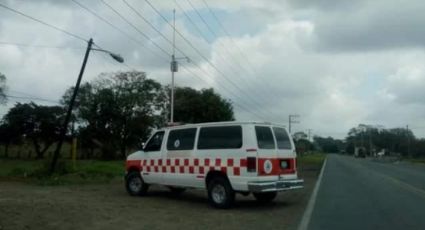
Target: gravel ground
108	206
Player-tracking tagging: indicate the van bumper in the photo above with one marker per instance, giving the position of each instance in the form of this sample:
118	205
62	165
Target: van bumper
275	186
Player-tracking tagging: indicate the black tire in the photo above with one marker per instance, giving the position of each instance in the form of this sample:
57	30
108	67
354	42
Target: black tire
265	197
176	190
220	193
135	185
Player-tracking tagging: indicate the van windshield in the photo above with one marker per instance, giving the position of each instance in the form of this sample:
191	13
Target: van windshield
282	138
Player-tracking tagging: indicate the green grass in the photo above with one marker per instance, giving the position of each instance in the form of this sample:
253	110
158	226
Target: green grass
85	171
90	171
417	160
311	159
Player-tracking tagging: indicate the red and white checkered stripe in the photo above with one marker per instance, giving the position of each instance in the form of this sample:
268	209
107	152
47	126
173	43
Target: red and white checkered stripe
230	166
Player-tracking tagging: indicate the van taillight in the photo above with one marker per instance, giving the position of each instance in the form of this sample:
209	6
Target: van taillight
251	164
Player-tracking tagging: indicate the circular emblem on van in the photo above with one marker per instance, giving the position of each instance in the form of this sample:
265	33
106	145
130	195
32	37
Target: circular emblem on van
268	166
176	144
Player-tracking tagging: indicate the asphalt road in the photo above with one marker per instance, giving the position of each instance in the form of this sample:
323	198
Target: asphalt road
365	194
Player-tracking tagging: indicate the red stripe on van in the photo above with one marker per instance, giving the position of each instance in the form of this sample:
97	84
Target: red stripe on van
230	162
206	162
236	171
276	170
243	162
133	164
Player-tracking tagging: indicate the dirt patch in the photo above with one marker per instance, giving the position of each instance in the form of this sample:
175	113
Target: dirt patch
108	206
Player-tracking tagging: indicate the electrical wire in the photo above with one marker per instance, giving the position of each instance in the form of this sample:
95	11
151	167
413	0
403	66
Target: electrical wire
42	22
242	53
32	98
162	35
231	67
201	55
136	41
135	28
38	46
233	102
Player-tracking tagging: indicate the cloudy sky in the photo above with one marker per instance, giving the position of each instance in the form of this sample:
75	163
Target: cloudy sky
334	63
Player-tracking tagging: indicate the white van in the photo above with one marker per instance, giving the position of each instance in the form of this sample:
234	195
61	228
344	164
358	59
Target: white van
222	157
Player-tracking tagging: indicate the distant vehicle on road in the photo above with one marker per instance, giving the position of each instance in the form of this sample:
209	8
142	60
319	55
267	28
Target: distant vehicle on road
359	152
381	153
224	158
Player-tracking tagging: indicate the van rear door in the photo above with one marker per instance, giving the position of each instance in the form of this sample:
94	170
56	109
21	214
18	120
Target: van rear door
266	150
275	151
285	151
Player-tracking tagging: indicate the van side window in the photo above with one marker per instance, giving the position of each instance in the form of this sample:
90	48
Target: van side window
155	142
264	137
225	137
181	139
282	138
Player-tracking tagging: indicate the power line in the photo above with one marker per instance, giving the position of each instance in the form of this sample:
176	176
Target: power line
231	67
166	39
234	103
146	21
135	28
136	41
200	54
42	22
191	21
220	24
32	98
128	22
38	46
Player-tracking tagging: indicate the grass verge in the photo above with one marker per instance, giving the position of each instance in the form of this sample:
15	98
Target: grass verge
417	160
311	159
83	172
93	171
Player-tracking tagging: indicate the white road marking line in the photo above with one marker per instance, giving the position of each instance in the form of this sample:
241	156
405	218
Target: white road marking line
310	206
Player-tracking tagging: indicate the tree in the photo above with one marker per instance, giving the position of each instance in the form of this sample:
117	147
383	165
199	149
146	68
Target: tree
38	123
3	87
328	144
194	106
118	110
8	136
300	135
376	138
303	145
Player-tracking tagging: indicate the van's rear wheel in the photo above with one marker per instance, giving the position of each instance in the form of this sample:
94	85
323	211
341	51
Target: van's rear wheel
220	193
135	184
265	197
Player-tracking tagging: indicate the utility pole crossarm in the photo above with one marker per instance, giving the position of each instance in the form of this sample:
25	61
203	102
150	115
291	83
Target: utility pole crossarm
290	121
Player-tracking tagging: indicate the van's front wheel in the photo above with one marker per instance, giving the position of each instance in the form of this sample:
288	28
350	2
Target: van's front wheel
220	193
135	184
265	197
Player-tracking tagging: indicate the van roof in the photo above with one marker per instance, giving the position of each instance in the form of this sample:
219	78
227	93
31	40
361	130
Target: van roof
221	123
